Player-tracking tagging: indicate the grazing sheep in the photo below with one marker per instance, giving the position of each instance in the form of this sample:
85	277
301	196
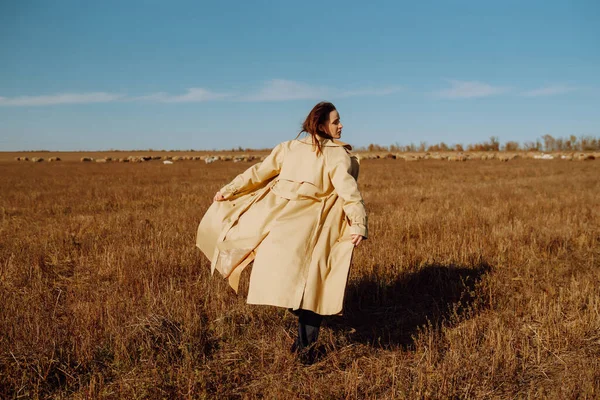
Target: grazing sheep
53	159
241	158
585	157
101	160
508	157
86	159
37	159
210	159
458	157
167	162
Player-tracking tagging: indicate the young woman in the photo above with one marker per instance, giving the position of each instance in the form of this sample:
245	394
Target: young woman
298	216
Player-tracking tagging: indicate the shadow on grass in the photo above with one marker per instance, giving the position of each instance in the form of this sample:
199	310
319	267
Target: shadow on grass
385	314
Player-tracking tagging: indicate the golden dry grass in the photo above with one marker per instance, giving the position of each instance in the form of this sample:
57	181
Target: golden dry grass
479	280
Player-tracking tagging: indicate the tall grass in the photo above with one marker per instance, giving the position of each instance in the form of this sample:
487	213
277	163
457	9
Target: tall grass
479	280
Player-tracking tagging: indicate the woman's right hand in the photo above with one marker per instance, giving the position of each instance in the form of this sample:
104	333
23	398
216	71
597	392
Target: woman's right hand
218	197
356	239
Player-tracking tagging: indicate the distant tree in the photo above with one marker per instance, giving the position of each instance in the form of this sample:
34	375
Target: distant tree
588	143
529	146
549	142
511	146
494	143
377	147
559	144
574	144
545	143
438	147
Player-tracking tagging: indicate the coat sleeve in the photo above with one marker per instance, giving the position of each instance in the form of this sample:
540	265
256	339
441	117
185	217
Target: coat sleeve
339	167
256	174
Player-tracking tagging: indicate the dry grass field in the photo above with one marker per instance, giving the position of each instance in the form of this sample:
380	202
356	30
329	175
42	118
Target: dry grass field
479	280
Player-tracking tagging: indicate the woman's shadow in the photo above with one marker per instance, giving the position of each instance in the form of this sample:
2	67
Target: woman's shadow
389	314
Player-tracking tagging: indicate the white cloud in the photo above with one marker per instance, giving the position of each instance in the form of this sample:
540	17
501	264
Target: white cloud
274	90
193	95
549	90
284	90
61	98
470	90
384	91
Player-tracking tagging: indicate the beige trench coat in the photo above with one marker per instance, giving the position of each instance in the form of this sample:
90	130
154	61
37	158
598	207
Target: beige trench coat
292	214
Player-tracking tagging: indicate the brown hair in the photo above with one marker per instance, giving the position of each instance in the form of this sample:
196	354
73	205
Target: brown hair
318	116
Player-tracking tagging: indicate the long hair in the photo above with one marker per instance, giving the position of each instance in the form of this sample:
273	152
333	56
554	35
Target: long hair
317	117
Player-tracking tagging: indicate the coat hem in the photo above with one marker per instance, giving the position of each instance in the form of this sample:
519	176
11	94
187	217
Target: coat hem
265	303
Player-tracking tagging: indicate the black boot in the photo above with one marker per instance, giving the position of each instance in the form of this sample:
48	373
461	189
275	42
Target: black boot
309	324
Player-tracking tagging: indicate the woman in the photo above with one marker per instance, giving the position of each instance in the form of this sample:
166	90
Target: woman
298	215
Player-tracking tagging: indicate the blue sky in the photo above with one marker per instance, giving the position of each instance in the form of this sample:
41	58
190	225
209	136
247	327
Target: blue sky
215	75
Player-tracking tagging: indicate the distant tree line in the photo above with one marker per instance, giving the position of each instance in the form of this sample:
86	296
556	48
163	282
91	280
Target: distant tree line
546	143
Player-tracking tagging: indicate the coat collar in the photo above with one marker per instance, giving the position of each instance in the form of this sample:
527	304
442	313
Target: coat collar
325	142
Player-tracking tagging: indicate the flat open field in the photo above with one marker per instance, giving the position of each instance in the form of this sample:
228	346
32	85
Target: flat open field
479	280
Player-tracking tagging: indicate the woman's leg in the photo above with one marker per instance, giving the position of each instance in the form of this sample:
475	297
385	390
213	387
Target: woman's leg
308	329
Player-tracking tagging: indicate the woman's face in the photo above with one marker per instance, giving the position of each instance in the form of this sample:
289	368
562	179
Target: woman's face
334	125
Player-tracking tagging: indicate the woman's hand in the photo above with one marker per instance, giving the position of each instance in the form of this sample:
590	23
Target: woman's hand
218	197
356	239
